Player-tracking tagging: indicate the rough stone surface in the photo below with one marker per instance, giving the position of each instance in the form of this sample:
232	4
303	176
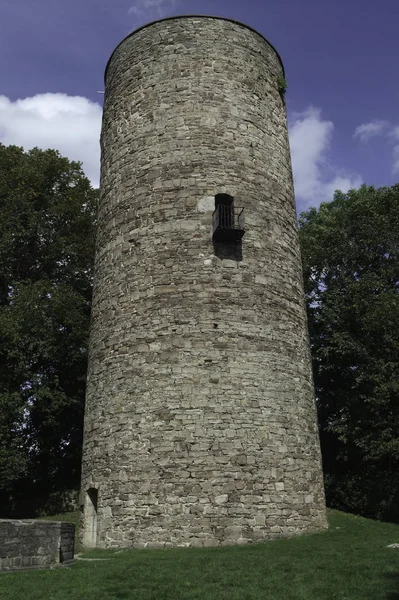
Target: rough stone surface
27	544
200	424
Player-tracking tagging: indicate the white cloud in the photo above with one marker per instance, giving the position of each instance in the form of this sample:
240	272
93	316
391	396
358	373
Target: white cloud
368	130
394	135
70	124
315	178
153	9
395	166
378	127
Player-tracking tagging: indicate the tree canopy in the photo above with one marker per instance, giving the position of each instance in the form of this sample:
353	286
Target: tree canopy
350	251
47	213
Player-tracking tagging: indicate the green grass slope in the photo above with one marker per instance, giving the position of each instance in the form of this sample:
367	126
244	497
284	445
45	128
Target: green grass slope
350	561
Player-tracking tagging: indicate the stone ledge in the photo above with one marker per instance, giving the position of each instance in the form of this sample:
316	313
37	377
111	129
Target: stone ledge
33	544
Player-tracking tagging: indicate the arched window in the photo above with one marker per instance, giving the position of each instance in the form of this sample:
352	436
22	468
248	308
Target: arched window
228	221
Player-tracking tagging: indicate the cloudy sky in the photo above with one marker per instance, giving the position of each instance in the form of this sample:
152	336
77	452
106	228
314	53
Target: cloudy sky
340	57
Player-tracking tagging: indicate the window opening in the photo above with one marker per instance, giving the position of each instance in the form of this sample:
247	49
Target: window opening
228	228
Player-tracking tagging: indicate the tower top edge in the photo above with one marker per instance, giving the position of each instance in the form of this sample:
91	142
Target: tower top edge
189	16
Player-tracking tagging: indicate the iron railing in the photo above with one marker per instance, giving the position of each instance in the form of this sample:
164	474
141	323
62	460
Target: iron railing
228	223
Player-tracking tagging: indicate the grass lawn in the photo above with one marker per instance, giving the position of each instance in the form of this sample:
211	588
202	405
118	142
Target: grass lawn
351	561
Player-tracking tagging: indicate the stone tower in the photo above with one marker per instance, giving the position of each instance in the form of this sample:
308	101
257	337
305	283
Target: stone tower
200	424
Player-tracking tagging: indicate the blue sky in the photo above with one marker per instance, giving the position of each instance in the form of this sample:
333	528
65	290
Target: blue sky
341	60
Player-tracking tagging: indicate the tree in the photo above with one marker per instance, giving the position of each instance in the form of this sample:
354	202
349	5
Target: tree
350	250
47	209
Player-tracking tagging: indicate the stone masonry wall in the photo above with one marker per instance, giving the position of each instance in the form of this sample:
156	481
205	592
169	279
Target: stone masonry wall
200	424
33	544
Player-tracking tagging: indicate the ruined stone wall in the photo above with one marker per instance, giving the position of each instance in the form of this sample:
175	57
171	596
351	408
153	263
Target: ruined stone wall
31	544
200	424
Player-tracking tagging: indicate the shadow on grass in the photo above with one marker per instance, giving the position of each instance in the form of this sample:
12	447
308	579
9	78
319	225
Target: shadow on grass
393	578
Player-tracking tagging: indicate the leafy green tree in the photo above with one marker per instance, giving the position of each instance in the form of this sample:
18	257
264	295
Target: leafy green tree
47	209
350	250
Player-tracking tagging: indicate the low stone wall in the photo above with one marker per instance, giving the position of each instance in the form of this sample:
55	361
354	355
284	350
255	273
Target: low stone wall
27	544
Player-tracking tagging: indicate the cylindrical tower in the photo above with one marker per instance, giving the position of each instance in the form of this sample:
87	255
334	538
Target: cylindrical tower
200	424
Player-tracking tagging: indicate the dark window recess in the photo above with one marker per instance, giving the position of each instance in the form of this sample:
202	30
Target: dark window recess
224	200
227	221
